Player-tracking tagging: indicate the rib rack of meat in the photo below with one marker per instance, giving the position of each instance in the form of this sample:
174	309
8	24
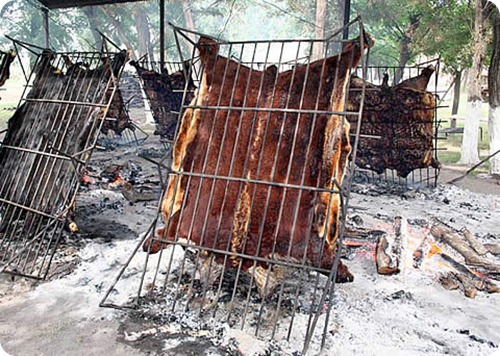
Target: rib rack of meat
6	58
256	194
397	130
165	94
50	137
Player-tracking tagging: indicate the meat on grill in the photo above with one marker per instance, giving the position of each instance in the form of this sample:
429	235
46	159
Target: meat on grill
419	82
307	149
48	124
7	59
117	118
402	117
165	92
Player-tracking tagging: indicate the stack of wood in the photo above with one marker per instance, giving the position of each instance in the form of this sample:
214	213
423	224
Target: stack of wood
399	120
164	92
465	263
476	271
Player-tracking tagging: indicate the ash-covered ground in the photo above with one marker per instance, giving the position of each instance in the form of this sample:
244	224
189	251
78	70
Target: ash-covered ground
409	313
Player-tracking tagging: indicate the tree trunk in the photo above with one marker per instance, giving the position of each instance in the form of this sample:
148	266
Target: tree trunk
405	52
119	29
143	35
494	95
188	17
456	92
90	12
470	138
318	50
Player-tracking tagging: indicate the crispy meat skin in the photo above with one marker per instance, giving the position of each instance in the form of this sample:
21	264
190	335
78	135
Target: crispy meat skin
402	116
164	92
7	59
68	131
305	149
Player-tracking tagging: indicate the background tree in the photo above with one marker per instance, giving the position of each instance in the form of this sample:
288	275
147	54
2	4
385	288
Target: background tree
448	35
469	152
494	94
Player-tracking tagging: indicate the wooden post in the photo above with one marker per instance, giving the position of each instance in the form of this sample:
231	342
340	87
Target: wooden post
162	34
46	26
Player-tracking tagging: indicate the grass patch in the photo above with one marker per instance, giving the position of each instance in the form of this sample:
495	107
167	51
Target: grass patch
453	142
6	111
448	157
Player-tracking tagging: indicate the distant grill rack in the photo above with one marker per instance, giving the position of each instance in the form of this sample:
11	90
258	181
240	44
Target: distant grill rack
168	283
45	152
169	67
422	176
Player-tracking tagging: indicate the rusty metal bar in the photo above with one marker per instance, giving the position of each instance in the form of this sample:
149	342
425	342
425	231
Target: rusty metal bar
229	162
49	181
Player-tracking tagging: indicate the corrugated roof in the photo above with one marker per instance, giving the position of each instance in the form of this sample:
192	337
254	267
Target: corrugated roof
59	4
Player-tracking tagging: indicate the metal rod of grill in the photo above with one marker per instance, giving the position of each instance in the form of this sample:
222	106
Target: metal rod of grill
255	202
44	152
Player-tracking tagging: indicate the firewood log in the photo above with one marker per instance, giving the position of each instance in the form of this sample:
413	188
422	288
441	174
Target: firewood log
383	260
474	243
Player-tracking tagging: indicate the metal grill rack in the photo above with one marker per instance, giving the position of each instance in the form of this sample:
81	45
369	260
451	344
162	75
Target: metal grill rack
266	284
418	177
163	92
44	152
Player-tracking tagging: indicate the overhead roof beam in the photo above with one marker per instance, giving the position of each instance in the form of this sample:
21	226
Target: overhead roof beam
60	4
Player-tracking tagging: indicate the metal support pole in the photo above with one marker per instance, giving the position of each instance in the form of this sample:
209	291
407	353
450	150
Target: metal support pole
46	26
347	15
162	34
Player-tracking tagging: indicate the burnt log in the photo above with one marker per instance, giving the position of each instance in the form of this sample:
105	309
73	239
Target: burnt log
494	249
164	92
251	212
472	258
397	126
385	266
474	243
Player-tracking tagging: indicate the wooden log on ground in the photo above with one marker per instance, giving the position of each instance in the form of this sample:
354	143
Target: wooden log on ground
494	249
478	282
449	281
384	262
397	243
453	239
474	243
469	289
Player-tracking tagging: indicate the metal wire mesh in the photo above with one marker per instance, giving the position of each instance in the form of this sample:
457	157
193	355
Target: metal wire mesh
427	176
255	204
49	140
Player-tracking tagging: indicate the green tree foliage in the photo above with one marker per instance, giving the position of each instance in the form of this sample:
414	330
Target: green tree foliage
448	33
